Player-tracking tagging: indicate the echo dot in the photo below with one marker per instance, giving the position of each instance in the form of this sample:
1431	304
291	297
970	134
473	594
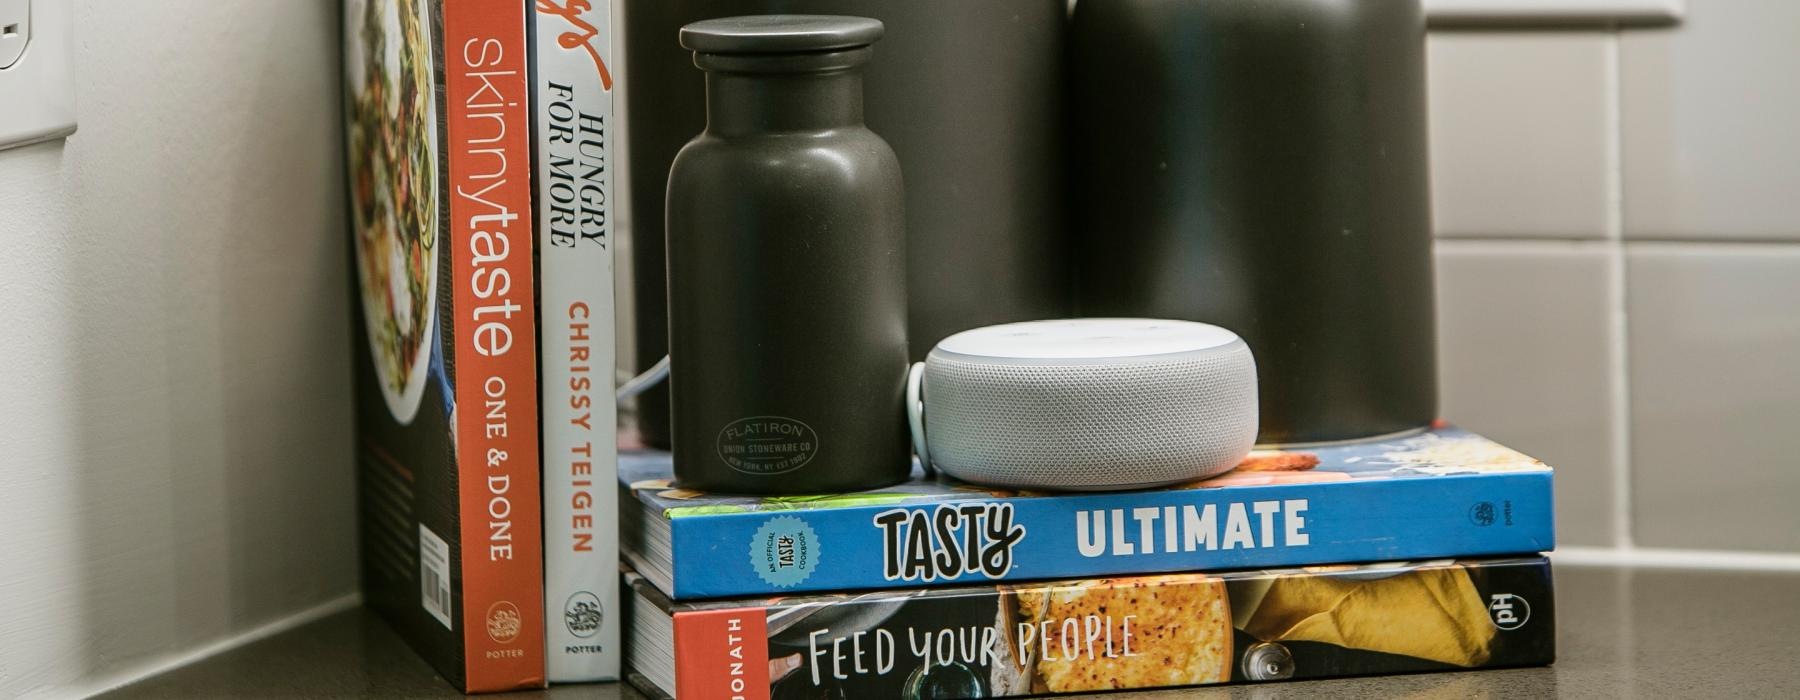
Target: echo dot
1085	404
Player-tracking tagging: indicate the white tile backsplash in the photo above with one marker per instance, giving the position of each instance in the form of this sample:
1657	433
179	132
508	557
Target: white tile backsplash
1652	357
1711	124
1715	395
1520	133
1526	359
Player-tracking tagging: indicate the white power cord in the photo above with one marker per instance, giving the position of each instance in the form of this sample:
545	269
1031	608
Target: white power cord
915	413
642	383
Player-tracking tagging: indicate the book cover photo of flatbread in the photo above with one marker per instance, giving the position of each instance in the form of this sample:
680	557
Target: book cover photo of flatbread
1142	632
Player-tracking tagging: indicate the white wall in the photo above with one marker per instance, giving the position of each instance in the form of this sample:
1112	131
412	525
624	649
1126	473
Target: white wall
175	466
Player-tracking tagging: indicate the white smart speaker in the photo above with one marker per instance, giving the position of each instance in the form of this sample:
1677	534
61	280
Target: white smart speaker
1085	404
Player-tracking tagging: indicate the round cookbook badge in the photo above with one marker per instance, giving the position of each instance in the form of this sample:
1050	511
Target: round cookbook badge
784	551
766	445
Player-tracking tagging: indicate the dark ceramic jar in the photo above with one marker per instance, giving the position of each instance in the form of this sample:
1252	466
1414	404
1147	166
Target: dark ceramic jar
787	267
1261	165
970	95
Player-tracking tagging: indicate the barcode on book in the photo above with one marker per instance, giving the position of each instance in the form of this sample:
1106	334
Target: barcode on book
434	578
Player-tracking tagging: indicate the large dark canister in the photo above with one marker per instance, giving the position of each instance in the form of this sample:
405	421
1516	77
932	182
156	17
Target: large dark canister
1261	165
787	267
969	93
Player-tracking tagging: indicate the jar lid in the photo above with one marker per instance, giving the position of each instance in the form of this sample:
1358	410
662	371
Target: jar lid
780	34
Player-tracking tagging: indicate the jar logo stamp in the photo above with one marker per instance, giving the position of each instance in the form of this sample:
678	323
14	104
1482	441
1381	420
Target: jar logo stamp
767	445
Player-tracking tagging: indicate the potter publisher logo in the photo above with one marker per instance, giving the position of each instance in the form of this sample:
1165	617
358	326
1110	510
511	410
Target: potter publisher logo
1482	514
503	622
766	445
582	614
1508	611
1487	513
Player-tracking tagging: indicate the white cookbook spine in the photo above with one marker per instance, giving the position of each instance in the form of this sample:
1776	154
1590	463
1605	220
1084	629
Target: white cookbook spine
574	148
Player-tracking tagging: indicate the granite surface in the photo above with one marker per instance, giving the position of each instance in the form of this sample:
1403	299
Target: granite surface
1624	633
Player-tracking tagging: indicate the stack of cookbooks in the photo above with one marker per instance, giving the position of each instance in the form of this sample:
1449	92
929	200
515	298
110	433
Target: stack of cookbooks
1405	554
479	158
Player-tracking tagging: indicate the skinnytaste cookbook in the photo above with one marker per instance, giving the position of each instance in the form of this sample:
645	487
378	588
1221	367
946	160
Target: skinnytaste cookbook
439	157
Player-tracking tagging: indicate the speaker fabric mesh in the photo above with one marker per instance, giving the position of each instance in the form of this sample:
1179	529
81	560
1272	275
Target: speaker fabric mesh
1111	423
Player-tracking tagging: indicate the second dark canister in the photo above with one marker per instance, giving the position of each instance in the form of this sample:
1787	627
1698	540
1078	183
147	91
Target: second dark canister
1261	165
968	92
787	267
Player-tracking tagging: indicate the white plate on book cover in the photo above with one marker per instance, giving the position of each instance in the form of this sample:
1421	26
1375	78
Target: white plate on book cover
393	158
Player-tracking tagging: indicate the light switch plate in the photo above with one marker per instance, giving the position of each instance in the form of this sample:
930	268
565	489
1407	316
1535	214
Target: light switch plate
37	89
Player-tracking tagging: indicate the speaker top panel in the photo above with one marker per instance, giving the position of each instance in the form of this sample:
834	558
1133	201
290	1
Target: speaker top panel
1086	339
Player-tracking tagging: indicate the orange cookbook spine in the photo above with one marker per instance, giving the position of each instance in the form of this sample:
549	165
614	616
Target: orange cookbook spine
722	654
488	126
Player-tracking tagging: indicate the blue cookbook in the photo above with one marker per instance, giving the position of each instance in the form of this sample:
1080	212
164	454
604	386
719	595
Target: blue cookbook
1441	493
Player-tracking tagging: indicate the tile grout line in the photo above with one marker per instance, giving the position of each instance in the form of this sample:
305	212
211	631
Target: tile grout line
1618	331
1689	243
1663	558
1618	343
1502	244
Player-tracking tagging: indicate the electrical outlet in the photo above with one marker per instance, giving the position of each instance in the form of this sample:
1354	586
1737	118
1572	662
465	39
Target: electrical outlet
36	71
15	30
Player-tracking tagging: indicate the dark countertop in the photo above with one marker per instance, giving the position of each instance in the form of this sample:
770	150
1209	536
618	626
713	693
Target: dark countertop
1624	632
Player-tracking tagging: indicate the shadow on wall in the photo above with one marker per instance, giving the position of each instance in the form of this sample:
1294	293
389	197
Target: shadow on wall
210	382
